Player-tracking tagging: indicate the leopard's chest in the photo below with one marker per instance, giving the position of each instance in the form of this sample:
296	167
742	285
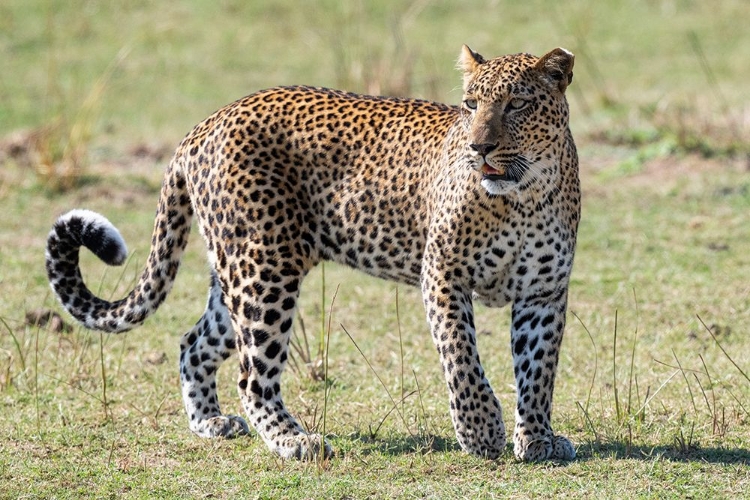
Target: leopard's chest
533	259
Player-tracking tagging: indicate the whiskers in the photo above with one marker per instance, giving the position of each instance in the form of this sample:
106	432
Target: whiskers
528	179
517	167
541	178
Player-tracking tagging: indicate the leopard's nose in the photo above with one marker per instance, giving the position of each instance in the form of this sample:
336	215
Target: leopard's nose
483	149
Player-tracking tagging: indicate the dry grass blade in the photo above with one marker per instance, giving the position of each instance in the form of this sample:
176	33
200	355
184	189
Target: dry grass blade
16	343
596	363
372	369
374	433
302	362
632	357
588	420
649	399
614	372
737	400
401	350
321	457
687	383
421	401
684	444
722	349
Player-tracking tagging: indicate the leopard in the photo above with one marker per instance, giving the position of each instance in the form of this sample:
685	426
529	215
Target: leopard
473	202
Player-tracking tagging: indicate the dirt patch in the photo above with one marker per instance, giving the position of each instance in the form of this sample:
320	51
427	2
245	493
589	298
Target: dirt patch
49	319
667	169
604	168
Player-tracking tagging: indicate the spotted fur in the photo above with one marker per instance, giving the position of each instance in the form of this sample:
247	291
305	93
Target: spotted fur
479	201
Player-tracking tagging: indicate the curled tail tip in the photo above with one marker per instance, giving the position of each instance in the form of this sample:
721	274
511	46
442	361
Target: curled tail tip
95	232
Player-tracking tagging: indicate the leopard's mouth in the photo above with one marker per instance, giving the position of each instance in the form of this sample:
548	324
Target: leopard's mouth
494	173
509	169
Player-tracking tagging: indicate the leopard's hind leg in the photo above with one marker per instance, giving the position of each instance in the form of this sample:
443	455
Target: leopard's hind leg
202	350
261	286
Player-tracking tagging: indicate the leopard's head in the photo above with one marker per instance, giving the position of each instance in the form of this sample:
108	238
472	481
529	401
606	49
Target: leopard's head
516	118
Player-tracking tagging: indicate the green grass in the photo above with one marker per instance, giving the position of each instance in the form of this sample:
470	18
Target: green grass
655	407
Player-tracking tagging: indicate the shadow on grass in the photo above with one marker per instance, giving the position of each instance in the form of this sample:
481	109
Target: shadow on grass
404	445
729	456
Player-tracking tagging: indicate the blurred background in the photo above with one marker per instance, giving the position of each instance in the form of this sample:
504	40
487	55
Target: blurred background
86	81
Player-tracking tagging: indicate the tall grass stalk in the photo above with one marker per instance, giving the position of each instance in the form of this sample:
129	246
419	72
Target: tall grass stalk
632	357
394	403
648	398
421	401
16	343
687	383
326	389
36	383
718	344
713	82
585	410
108	417
737	400
401	351
596	362
712	406
321	339
614	372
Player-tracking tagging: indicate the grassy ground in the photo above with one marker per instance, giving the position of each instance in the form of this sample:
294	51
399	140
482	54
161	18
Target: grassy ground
655	406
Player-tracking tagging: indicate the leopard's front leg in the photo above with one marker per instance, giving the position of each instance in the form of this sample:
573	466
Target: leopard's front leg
536	337
476	413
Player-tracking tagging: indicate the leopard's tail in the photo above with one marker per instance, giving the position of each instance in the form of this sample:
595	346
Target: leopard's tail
89	229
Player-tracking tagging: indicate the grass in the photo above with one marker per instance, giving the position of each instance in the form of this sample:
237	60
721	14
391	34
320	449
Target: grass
652	384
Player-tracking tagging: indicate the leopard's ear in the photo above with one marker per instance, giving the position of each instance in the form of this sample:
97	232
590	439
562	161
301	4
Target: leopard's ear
557	66
468	62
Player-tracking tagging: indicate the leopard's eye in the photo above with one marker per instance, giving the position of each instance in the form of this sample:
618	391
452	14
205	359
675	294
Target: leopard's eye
470	103
516	104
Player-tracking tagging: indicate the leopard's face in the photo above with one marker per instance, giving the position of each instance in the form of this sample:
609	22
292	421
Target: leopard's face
515	115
